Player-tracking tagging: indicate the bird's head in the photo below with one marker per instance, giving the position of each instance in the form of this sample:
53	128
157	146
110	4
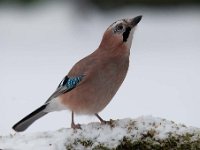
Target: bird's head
120	34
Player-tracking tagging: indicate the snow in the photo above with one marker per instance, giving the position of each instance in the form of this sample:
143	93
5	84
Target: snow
38	46
94	134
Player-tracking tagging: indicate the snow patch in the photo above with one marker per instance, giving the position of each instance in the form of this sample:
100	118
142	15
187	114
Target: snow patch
94	135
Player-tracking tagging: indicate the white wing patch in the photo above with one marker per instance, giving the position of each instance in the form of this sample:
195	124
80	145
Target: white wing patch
55	105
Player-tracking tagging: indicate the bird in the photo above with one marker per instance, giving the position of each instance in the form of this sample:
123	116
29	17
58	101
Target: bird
94	80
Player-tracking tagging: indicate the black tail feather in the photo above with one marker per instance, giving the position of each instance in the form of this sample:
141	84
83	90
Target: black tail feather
28	120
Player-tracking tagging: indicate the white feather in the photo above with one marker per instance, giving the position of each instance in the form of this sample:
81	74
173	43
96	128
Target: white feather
55	105
130	38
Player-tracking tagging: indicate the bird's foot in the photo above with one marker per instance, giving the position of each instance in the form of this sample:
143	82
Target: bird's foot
103	122
111	122
75	126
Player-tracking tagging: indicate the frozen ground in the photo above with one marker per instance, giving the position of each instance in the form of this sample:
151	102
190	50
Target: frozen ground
38	46
154	131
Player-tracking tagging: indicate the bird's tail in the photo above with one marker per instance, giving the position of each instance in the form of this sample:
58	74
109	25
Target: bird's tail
28	120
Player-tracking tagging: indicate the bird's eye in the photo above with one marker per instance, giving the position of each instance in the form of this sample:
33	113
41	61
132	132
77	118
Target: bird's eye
119	28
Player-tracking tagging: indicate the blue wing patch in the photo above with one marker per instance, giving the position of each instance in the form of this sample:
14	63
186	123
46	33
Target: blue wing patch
66	85
70	82
73	81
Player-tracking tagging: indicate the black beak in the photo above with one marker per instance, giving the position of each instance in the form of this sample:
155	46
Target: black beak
135	20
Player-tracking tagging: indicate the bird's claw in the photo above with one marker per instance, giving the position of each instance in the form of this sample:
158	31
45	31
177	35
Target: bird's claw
76	126
110	123
104	122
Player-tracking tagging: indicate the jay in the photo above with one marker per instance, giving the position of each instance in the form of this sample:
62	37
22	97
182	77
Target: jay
94	80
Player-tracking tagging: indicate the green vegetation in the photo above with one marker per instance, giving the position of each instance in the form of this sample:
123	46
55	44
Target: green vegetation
183	142
147	142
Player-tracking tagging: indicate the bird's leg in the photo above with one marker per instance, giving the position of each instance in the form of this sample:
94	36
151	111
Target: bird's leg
73	125
102	121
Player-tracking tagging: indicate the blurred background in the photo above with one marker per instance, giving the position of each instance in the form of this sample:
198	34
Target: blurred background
40	40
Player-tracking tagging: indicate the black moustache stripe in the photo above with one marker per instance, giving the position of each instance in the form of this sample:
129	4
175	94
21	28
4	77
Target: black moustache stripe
126	34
